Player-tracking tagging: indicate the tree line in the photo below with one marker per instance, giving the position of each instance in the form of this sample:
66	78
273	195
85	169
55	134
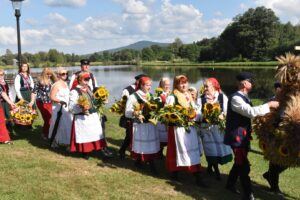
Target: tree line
256	35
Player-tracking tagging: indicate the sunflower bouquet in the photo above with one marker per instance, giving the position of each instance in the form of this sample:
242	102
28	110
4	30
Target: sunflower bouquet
158	91
174	115
212	113
101	97
84	102
23	114
119	106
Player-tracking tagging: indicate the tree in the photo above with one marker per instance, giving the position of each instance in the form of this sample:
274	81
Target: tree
253	33
8	57
147	54
174	47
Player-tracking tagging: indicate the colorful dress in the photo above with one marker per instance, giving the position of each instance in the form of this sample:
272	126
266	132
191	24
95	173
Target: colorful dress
145	139
216	152
4	104
63	133
86	133
4	134
44	104
184	148
162	129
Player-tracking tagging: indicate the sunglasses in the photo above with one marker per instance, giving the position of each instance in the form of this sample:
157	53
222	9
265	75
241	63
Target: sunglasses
1	74
63	74
86	79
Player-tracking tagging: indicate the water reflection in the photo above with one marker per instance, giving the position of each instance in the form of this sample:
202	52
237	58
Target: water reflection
116	78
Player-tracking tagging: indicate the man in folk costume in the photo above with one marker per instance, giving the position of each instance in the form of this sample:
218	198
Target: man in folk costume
87	134
184	148
84	65
125	122
238	132
216	152
145	140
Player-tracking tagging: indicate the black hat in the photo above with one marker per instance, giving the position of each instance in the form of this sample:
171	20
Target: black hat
245	76
140	76
84	62
277	84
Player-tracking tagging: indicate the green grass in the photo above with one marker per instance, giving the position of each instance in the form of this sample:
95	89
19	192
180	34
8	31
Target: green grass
29	170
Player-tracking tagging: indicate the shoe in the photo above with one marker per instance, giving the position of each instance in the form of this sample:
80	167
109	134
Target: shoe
138	164
249	197
233	189
122	154
174	176
152	167
85	156
209	169
107	153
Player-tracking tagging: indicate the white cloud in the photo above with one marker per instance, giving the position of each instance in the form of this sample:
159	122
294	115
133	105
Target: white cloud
8	36
286	9
57	18
133	6
65	3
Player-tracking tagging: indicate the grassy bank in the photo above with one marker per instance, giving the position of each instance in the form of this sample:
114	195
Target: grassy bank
29	170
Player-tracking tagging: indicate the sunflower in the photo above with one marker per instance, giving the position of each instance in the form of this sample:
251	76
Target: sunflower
17	115
208	106
283	151
28	117
158	91
191	113
178	107
152	107
101	94
83	101
216	109
22	117
173	117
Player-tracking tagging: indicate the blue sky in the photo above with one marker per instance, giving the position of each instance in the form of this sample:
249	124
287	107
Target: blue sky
86	26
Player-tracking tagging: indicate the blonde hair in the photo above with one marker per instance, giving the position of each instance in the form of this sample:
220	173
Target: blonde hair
43	78
60	69
162	81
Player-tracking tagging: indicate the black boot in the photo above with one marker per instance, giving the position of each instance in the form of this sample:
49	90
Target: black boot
138	164
152	167
85	156
199	180
217	172
174	176
232	179
209	169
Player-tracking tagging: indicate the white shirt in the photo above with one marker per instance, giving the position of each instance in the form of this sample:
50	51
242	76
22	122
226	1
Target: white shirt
240	106
18	85
125	92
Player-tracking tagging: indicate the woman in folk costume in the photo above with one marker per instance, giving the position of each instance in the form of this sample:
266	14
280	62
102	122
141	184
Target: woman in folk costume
5	104
162	129
41	93
4	134
145	140
24	84
86	133
184	148
215	150
59	96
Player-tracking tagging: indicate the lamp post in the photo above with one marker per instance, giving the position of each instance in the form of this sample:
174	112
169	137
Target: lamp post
17	7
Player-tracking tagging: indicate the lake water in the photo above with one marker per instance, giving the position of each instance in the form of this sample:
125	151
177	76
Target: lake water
116	78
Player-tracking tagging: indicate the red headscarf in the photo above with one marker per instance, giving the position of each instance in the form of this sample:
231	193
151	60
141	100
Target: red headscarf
215	83
142	81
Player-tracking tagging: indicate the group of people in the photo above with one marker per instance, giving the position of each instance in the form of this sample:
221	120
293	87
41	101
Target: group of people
81	128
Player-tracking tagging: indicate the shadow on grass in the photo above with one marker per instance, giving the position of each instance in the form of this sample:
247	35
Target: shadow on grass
185	185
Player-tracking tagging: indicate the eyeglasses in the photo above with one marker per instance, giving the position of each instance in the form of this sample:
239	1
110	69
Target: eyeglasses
63	74
86	79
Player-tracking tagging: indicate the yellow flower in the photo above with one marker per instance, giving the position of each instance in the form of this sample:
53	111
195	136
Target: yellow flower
178	107
192	113
28	118
83	101
101	93
152	107
173	117
208	107
216	109
22	117
283	150
17	116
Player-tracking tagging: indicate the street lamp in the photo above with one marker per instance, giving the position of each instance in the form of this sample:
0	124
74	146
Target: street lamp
17	7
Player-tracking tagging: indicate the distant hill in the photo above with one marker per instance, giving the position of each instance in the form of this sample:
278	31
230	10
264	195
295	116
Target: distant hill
139	46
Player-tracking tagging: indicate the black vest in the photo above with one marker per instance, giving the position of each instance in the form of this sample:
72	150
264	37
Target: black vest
238	127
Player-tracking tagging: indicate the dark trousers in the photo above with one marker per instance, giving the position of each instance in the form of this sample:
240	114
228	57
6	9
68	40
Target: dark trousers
240	169
126	141
273	175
